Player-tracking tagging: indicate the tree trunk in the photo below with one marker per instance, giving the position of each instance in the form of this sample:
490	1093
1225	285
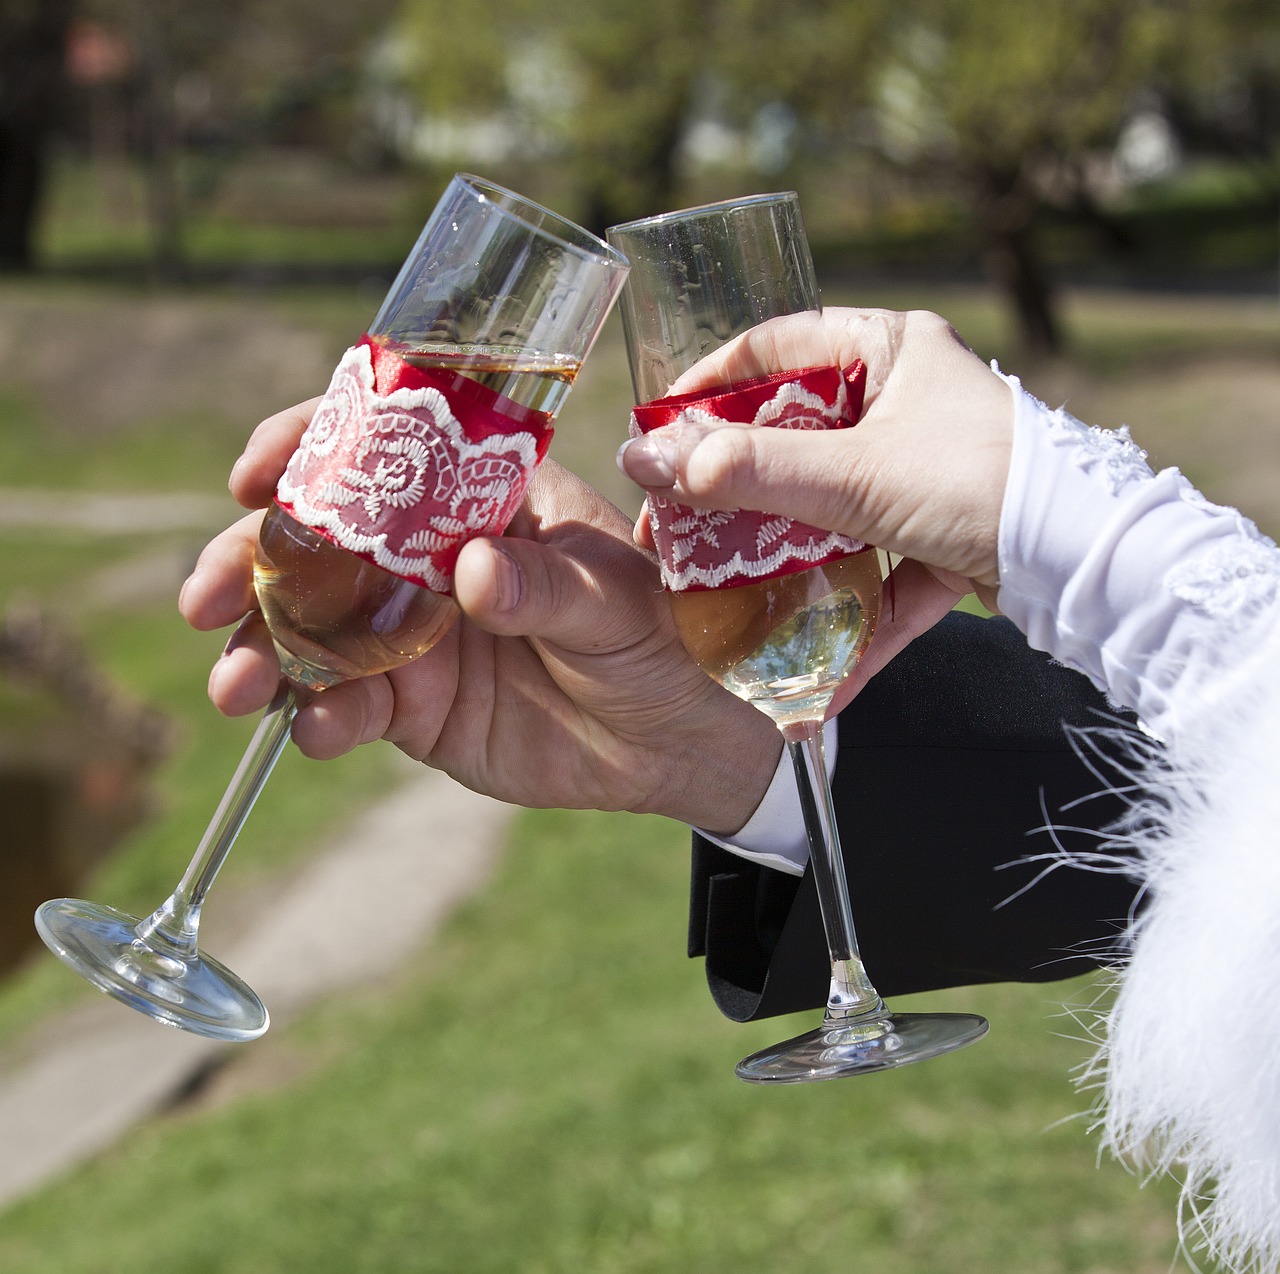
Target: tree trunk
160	151
1014	263
32	85
636	177
22	167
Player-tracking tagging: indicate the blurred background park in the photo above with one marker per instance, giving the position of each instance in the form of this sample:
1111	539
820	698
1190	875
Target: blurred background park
200	208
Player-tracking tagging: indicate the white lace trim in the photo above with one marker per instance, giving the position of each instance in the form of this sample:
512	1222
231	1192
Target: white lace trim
710	548
1111	452
1232	581
394	478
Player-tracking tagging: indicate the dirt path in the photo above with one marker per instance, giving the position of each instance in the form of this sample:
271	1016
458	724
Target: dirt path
85	1077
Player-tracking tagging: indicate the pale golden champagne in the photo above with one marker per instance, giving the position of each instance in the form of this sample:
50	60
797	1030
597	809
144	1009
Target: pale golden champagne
784	644
332	615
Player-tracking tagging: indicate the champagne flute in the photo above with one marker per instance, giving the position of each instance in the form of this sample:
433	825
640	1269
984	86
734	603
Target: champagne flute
427	436
776	611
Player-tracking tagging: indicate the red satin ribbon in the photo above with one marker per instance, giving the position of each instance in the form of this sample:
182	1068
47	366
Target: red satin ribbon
479	410
739	401
703	549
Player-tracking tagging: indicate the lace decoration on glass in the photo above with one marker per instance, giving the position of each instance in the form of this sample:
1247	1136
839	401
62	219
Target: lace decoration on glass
398	479
705	549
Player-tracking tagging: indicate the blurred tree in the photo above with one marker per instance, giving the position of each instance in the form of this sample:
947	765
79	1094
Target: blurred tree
641	73
233	74
1017	97
33	36
607	89
227	77
1013	102
1223	92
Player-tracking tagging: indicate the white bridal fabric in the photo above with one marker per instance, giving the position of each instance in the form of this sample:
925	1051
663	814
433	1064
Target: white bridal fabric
1171	605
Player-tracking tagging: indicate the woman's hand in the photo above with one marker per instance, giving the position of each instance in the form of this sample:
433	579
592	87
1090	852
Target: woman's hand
922	476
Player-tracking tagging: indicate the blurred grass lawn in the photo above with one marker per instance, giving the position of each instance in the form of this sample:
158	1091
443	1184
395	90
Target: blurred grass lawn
592	1121
587	1118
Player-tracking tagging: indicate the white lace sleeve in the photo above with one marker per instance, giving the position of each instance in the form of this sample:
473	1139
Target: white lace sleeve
1172	605
1129	576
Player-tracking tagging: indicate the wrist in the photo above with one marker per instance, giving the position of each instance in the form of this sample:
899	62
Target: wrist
776	836
718	780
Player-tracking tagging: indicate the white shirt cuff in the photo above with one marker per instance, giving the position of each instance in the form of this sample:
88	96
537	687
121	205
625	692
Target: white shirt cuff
774	836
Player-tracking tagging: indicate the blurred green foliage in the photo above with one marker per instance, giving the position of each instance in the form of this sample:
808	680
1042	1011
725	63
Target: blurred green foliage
979	122
1019	140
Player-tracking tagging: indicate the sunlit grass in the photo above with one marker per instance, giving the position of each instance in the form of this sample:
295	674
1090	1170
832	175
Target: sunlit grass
242	214
548	1088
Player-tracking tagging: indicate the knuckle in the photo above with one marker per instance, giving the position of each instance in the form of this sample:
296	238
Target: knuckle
725	460
936	328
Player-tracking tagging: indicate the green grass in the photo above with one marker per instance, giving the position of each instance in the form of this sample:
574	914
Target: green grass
150	455
263	211
548	1088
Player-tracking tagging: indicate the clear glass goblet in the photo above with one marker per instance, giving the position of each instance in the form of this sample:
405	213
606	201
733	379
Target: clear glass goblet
427	437
777	612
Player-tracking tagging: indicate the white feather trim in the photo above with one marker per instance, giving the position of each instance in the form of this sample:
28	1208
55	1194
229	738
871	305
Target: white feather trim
1189	1061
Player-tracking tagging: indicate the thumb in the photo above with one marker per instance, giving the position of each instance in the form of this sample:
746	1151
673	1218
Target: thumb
587	592
823	477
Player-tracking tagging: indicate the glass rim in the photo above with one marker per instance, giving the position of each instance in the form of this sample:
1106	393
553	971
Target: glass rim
548	223
702	210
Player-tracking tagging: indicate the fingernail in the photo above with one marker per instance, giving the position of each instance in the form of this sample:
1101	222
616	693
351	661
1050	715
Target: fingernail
237	638
193	575
650	459
235	472
508	581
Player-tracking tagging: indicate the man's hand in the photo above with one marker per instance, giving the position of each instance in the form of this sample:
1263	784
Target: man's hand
562	684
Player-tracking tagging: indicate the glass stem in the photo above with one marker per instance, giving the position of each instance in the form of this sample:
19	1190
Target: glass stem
851	994
172	927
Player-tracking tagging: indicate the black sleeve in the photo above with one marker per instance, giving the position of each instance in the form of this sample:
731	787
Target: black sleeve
952	762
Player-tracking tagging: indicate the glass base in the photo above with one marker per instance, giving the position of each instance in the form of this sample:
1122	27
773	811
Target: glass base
854	1047
196	994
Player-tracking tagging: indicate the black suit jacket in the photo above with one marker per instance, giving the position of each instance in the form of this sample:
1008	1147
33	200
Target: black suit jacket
951	763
